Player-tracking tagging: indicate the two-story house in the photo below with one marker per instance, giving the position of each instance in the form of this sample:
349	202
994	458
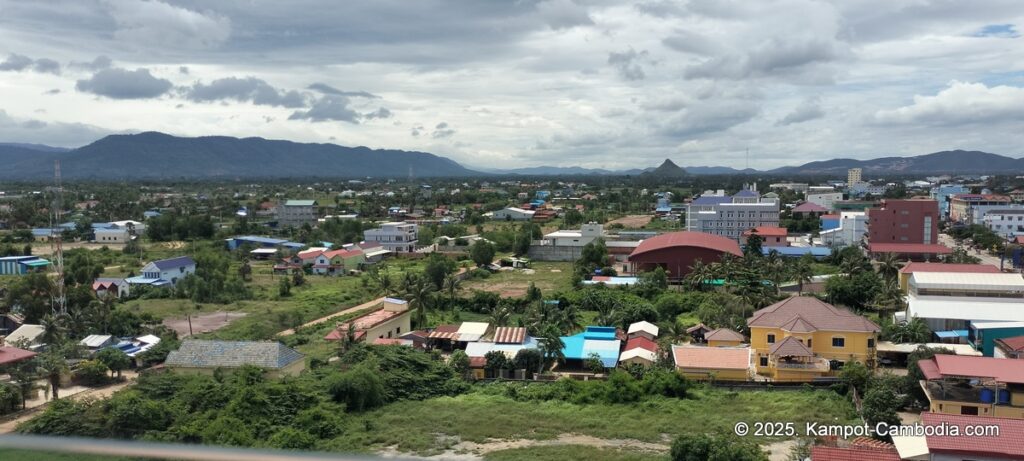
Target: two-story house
397	237
802	337
338	262
169	270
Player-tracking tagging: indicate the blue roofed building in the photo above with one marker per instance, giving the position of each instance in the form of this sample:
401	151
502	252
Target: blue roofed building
601	341
234	243
19	265
164	272
796	252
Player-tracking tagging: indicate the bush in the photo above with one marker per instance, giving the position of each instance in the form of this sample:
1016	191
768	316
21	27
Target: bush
92	373
704	447
360	388
291	439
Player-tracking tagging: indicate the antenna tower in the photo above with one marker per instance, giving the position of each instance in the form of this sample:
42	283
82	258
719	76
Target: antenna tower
59	302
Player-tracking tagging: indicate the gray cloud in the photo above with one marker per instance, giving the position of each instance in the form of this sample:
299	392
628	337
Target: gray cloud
328	108
99	63
47	66
16	62
706	118
327	89
15	129
627	63
808	110
53	91
249	89
777	56
381	113
161	24
117	83
563	14
442	130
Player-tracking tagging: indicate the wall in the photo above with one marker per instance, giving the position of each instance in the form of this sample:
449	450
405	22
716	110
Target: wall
675	260
989	337
719	343
705	374
904	221
391	328
856	348
554	253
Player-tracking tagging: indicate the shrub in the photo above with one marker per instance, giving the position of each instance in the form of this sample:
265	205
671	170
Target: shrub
360	388
92	372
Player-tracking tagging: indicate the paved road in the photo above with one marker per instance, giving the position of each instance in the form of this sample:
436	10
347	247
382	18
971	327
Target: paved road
985	257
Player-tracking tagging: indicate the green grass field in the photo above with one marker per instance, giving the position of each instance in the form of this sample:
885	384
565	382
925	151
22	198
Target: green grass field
550	277
563	452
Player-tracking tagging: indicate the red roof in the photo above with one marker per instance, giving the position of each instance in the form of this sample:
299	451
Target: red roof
477	362
309	254
809	207
1019	240
857	453
716	358
13	355
767	231
1001	370
909	248
642	343
444	332
509	335
1009	443
942	267
688	239
1015	343
343	253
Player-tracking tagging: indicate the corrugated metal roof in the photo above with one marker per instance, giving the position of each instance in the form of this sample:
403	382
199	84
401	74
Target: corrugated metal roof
1007	443
688	239
95	340
942	267
968	281
300	203
510	335
172	263
644	326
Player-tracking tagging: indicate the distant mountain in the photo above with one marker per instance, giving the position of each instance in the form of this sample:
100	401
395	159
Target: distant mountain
953	161
38	147
667	169
153	155
552	171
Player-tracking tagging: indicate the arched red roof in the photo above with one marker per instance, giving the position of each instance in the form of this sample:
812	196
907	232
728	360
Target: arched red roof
688	239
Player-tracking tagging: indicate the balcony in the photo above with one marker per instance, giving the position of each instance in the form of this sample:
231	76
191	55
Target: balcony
816	365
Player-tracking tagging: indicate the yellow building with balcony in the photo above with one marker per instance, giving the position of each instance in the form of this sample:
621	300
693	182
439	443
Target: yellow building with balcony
802	338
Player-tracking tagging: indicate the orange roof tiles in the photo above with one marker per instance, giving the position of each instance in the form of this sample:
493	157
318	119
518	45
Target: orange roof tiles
720	358
509	335
1009	444
790	347
853	453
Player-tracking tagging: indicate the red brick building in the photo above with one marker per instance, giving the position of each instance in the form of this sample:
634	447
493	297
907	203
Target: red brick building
904	222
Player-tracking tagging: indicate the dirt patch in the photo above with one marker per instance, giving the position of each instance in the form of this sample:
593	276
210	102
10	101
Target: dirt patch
203	323
507	290
779	451
632	221
471	451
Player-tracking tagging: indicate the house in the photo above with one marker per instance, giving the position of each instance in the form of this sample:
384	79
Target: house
115	287
391	320
639	350
10	355
944	439
770	236
308	257
507	340
809	210
825	200
594	340
255	241
544	215
165	271
724	337
802	338
396	237
568	238
338	262
28	335
976	386
20	265
910	268
295	213
643	329
111	235
513	214
97	342
712	363
960	301
1009	348
207	356
10	322
374	252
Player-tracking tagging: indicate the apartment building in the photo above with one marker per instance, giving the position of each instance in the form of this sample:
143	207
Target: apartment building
730	216
971	208
1008	223
295	213
398	237
904	222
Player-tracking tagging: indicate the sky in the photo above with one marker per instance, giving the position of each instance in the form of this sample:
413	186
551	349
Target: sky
518	83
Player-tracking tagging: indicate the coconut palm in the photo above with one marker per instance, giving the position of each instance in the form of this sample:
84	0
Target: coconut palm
419	293
551	346
54	329
803	272
500	316
699	274
889	266
671	330
890	298
51	366
569	318
451	287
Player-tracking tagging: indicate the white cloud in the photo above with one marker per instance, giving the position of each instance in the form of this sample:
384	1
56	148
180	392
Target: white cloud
152	22
961	103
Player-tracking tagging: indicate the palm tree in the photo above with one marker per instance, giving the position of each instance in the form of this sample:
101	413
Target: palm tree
54	329
607	315
803	272
890	298
672	330
889	266
419	294
52	366
852	265
551	346
699	274
500	316
451	286
569	318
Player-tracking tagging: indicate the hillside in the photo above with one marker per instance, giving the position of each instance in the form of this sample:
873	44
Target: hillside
154	155
954	161
667	169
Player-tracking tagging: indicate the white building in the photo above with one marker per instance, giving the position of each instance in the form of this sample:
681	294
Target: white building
111	235
513	214
825	199
1008	223
398	237
731	216
951	301
132	226
168	270
853	226
568	238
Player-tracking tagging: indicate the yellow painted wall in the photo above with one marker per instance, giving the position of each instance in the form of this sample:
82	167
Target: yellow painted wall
788	374
720	343
396	327
905	282
855	349
704	374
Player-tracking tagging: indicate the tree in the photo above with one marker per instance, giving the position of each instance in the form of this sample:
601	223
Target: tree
803	271
451	287
419	294
529	360
593	363
880	404
855	290
360	388
593	256
438	267
754	245
52	366
245	271
551	346
709	447
889	298
114	359
459	363
961	256
855	375
493	362
284	288
482	252
889	266
914	330
92	372
298	278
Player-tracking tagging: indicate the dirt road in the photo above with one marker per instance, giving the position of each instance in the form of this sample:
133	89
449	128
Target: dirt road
7	427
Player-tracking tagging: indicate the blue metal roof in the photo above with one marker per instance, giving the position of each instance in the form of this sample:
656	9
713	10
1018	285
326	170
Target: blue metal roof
951	334
263	240
165	264
593	340
38	232
746	193
817	252
711	200
663	209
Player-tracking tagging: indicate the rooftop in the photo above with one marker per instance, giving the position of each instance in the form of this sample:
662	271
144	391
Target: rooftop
942	267
13	355
688	239
797	310
1008	444
195	353
768	231
968	281
960	366
724	334
646	327
642	343
172	263
790	347
719	358
300	203
1015	343
809	207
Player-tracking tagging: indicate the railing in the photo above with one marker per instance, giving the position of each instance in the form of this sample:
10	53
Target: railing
822	366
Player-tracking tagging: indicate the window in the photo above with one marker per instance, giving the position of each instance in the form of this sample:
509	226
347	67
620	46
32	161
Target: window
771	338
838	342
763	361
809	342
969	410
871	343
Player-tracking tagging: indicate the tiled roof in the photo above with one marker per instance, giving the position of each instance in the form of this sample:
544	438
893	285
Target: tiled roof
1009	444
1015	343
688	239
721	358
642	343
909	248
853	453
343	253
173	263
724	334
767	231
13	354
816	313
1002	370
957	268
195	353
798	325
809	207
790	347
509	335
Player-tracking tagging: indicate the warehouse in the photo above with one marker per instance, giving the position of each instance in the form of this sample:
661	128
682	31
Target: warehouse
677	251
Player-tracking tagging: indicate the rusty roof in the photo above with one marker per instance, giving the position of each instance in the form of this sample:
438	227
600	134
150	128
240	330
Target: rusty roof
510	335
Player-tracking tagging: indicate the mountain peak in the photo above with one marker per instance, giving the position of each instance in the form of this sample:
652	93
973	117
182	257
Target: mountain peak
668	169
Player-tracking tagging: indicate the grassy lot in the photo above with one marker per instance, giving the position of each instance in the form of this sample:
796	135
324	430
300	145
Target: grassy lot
515	282
563	452
7	454
824	269
416	426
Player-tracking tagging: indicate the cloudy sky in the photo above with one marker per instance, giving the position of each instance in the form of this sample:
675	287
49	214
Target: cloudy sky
509	83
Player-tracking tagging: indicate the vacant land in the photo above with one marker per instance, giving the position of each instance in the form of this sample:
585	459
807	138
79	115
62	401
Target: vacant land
550	277
632	221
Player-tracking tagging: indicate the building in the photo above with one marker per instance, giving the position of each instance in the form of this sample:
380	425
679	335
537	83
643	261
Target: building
731	216
975	386
639	350
207	356
971	208
599	341
115	287
983	336
809	210
802	338
587	233
642	329
943	192
20	265
770	236
255	241
854	176
396	237
27	335
724	337
390	320
295	213
96	342
338	262
1009	348
165	271
11	355
513	214
904	221
111	235
676	252
712	363
849	228
910	268
1006	222
945	439
951	301
826	200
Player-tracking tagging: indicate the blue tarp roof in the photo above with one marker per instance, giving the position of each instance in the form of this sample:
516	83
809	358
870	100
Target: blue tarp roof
949	334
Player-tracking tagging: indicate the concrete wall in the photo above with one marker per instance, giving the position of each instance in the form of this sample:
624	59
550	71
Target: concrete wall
554	253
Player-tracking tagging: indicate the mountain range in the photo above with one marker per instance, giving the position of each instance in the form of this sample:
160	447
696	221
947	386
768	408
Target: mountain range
159	156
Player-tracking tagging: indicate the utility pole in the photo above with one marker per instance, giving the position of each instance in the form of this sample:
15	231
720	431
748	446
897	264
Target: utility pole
59	301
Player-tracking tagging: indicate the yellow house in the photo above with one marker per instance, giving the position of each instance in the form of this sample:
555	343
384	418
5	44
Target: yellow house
802	338
206	356
703	363
391	320
724	337
977	386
